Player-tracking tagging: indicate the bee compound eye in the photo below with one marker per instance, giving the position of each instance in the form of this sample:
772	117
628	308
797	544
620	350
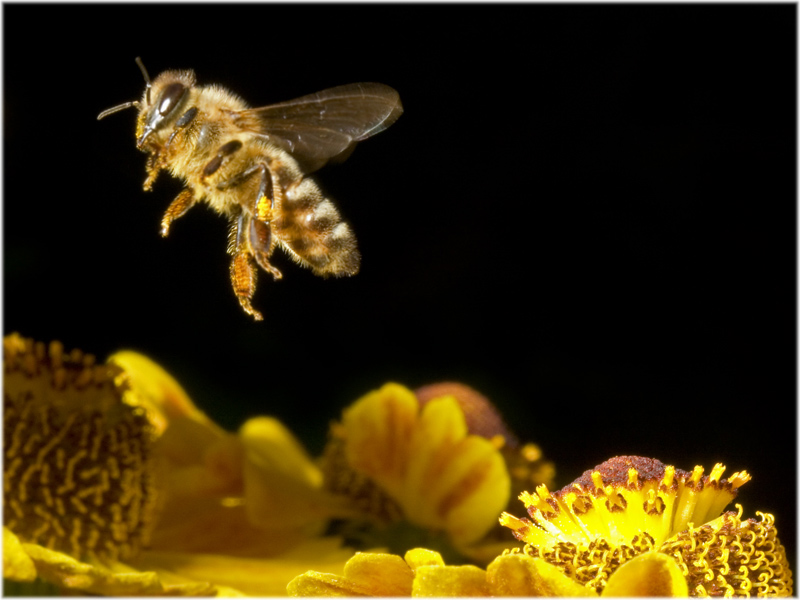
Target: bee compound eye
170	98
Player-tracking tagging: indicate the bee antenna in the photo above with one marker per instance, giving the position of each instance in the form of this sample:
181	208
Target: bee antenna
146	76
119	107
134	103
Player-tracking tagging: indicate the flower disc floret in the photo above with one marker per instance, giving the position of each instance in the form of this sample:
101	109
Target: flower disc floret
78	468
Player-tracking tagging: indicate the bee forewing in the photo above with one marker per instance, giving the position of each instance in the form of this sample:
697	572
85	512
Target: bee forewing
318	127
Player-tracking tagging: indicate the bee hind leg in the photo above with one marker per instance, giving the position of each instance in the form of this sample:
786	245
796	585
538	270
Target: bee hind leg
259	230
177	208
261	246
250	240
243	278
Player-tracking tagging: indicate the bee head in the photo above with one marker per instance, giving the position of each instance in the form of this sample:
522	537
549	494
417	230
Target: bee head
159	102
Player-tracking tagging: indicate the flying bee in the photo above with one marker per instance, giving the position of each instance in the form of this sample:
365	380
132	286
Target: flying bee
252	165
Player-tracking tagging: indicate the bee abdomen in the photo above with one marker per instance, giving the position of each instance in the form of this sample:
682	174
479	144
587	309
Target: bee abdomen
311	229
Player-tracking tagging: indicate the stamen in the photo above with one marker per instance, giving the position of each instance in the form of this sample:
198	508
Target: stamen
716	473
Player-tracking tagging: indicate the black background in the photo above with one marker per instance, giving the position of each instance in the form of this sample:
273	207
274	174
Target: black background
586	212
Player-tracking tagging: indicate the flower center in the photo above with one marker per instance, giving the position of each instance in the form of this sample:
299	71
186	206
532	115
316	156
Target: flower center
78	470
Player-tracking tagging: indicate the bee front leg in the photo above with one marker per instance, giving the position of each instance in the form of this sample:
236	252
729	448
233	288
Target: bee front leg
153	167
243	271
177	208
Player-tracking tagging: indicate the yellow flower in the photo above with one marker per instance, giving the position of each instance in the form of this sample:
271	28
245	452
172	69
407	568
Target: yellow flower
422	572
631	506
114	483
427	468
625	528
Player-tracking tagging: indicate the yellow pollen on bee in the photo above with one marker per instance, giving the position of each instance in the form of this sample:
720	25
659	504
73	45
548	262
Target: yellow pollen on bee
71	430
264	209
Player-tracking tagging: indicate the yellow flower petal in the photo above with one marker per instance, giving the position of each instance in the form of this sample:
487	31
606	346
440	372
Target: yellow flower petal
442	477
314	583
650	574
202	458
152	384
191	432
450	581
282	486
479	490
382	574
17	565
454	480
422	572
379	428
222	527
521	575
70	574
366	574
255	576
419	557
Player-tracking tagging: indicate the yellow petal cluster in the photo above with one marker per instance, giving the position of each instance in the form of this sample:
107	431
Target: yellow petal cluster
631	505
423	573
109	578
116	484
440	476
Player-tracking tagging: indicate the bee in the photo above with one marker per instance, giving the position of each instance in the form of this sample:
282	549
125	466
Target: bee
252	165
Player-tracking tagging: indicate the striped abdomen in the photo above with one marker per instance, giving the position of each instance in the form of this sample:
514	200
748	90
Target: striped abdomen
311	229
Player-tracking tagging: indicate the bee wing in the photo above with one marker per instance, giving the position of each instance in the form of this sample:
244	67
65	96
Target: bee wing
321	126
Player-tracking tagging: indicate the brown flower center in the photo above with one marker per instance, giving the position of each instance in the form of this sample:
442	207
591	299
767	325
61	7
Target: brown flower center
78	469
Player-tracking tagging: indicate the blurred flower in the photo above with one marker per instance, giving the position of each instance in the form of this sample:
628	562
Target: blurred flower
422	572
114	483
631	506
427	468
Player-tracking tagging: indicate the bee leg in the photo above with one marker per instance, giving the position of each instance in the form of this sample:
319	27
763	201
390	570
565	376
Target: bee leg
267	192
153	167
243	271
243	277
265	198
257	229
177	208
261	240
261	246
